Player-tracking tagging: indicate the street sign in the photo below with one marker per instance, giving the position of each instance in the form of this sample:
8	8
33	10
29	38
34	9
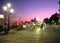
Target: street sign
1	16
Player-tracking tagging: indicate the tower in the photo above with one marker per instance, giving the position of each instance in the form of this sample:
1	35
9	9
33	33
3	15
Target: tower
59	6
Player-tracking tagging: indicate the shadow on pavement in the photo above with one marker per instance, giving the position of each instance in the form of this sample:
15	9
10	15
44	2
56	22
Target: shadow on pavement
3	40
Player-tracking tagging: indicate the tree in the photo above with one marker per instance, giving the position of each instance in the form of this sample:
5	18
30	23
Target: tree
32	20
53	18
46	20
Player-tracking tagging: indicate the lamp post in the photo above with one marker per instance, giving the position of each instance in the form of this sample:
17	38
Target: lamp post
9	10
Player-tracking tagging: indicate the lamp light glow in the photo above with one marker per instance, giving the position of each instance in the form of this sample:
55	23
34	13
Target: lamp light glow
37	18
8	5
11	10
5	8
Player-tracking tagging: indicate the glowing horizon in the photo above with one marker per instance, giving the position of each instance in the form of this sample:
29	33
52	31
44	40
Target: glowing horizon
29	9
38	8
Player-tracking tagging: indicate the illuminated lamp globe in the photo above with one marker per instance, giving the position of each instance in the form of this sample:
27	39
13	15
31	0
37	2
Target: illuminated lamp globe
5	8
11	10
8	5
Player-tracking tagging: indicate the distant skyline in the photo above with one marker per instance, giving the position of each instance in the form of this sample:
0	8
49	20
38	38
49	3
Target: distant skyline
28	9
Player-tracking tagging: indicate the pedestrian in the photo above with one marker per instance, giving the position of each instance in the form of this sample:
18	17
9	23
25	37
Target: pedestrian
41	25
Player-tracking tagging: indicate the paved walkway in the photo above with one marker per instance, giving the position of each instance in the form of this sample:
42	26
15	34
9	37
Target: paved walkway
31	36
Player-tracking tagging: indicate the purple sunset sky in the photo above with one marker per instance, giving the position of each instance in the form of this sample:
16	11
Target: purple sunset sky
28	9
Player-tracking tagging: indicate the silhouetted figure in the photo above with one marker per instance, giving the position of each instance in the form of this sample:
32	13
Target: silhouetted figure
41	25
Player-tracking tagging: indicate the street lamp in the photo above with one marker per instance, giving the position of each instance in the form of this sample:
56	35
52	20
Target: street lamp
8	5
4	8
9	11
